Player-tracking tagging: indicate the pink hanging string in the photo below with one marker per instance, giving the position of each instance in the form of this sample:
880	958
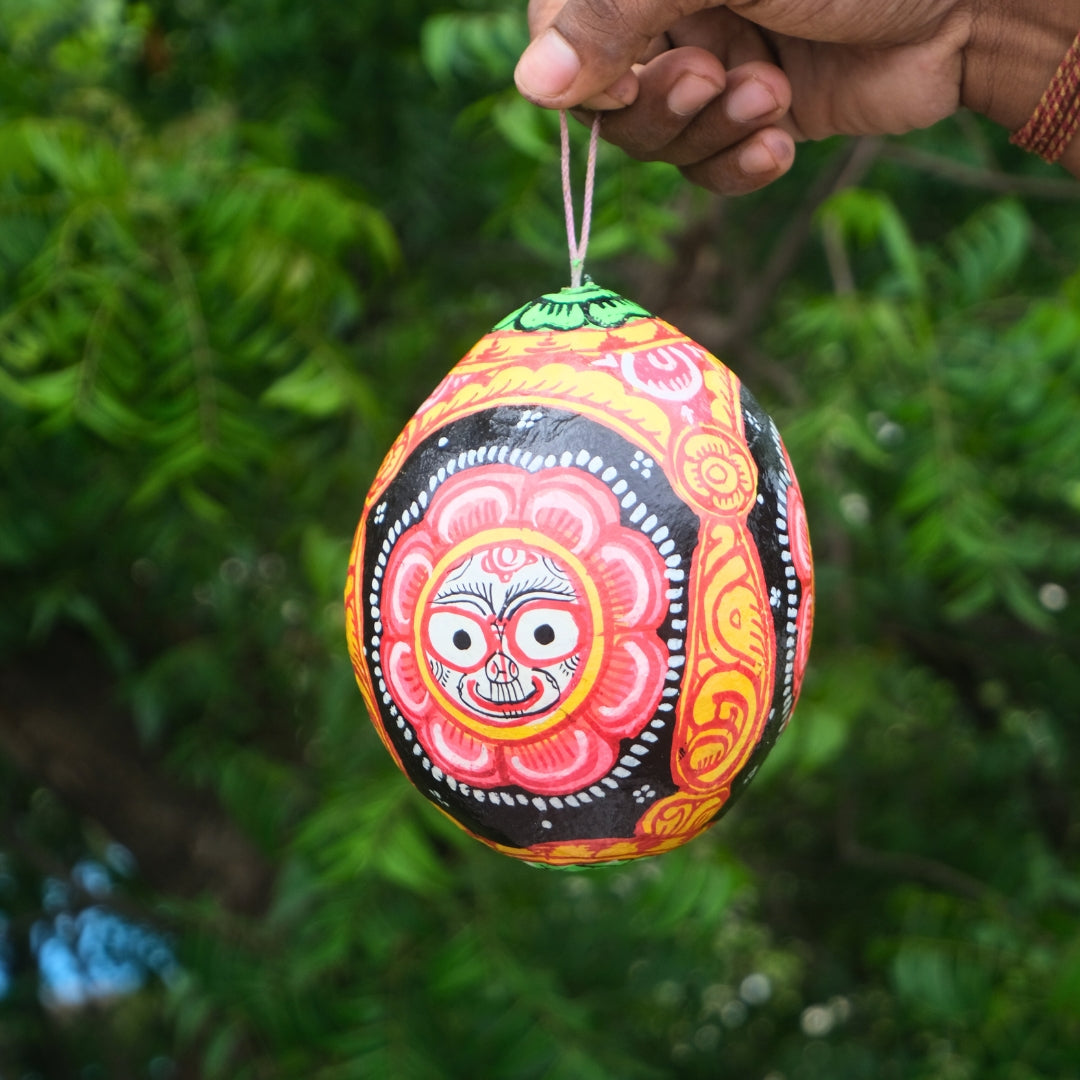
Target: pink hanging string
578	247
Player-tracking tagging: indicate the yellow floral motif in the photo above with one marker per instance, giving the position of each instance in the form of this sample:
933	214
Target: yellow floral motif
716	471
721	728
722	387
723	707
736	630
681	815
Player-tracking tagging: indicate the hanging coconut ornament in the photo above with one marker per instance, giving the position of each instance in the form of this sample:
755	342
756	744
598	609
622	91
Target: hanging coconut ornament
580	596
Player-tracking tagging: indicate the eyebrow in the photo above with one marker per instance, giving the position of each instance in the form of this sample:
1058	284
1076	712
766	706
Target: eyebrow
468	594
550	588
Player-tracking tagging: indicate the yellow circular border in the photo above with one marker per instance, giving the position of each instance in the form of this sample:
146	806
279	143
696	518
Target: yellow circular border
587	678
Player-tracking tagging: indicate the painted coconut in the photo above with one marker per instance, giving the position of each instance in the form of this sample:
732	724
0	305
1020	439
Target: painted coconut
580	597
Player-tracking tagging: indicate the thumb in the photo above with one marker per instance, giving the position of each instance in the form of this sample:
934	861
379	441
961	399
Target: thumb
581	48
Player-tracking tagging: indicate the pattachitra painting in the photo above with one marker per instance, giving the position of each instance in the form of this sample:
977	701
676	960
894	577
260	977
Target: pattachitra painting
580	596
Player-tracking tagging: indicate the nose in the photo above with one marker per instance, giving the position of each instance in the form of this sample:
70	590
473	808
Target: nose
500	668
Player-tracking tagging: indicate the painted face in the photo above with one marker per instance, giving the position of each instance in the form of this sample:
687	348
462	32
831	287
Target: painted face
504	632
519	623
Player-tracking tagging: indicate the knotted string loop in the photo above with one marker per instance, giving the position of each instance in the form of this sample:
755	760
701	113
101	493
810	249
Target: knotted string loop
578	247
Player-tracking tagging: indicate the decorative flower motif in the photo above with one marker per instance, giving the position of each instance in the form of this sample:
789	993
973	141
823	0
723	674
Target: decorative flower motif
682	814
717	469
669	372
643	464
520	623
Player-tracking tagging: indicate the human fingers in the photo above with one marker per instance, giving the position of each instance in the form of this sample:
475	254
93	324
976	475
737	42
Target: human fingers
744	140
748	166
690	109
583	50
673	89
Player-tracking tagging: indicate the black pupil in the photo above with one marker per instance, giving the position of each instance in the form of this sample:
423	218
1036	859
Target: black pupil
544	634
462	640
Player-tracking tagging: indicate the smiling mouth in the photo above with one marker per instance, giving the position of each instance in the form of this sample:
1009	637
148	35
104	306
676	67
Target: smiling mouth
506	702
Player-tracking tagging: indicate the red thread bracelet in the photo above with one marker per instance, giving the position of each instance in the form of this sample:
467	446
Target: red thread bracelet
1057	116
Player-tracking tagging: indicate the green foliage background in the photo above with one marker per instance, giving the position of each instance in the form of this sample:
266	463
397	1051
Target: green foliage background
239	242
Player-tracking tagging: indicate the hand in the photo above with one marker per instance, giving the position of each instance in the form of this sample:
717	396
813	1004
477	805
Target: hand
724	91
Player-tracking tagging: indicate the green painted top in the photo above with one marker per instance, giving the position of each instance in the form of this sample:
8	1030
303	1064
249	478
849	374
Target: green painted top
573	308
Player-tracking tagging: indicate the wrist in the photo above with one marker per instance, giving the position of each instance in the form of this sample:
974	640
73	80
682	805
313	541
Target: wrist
1016	46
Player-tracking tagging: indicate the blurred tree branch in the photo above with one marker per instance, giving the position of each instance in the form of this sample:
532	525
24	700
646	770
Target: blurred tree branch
58	725
929	871
984	179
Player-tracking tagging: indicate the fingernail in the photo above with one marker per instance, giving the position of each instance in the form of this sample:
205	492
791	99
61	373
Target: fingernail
765	154
624	89
750	101
690	94
756	159
547	67
622	92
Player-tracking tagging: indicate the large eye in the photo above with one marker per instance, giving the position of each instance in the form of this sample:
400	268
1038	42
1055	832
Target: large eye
543	633
458	639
